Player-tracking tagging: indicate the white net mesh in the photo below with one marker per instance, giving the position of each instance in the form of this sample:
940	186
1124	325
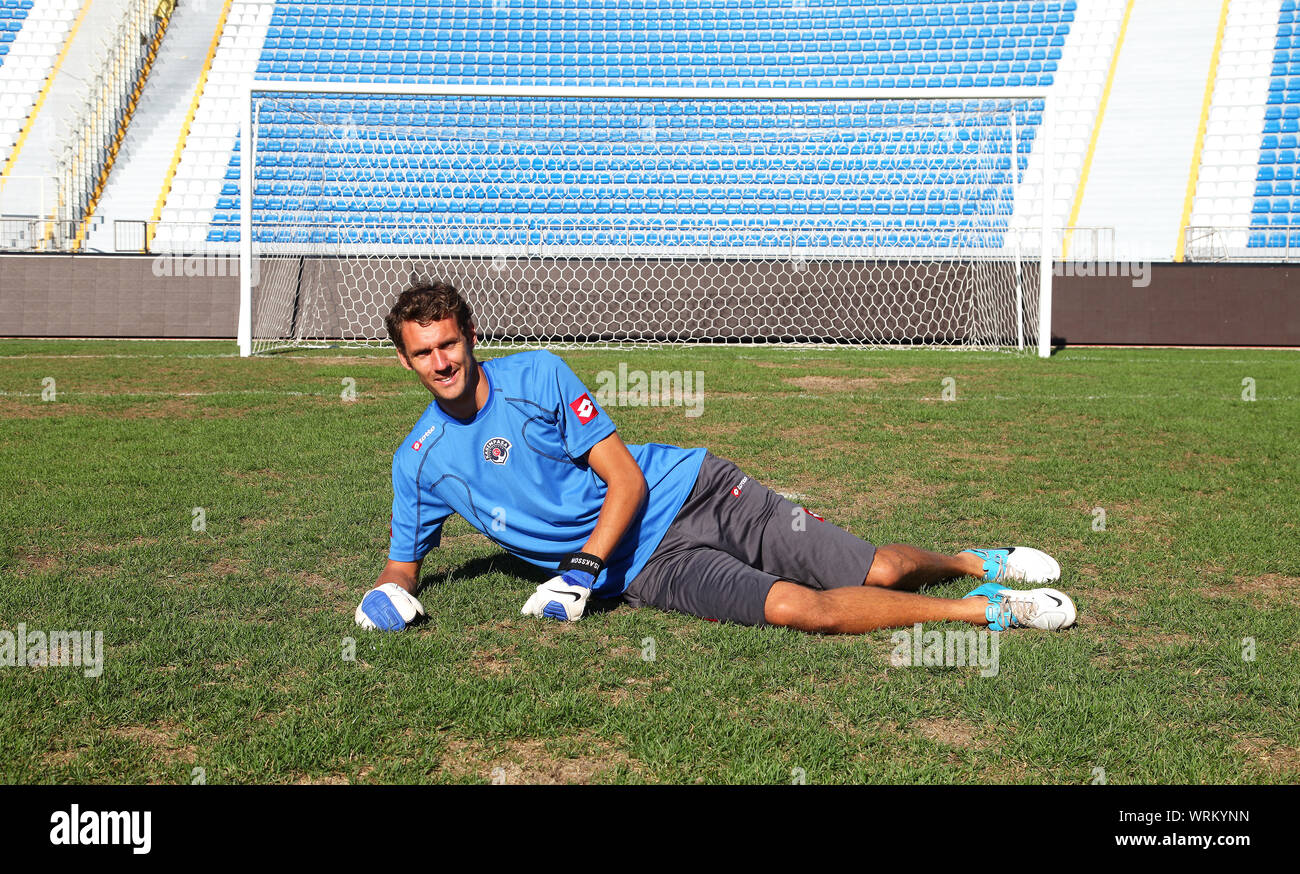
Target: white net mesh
633	220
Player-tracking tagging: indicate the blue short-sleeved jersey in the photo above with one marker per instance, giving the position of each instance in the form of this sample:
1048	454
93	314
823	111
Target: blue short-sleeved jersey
513	472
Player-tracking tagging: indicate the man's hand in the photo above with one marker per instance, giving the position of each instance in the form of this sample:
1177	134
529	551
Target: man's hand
564	596
388	607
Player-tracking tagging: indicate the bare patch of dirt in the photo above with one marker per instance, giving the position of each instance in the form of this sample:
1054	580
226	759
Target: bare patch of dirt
1148	641
949	732
39	562
114	547
529	762
334	587
871	501
492	663
633	689
389	360
1267	584
176	408
224	567
1271	755
327	780
832	384
1135	651
162	737
60	758
912	427
32	408
1193	460
717	429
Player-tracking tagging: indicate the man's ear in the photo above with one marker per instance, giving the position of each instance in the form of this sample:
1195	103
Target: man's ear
402	358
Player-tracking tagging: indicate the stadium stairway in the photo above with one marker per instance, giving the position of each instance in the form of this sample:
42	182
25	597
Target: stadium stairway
142	163
1145	144
202	169
36	33
39	156
1244	106
1077	94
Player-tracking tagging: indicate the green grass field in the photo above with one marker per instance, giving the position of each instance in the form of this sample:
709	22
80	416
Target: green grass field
225	649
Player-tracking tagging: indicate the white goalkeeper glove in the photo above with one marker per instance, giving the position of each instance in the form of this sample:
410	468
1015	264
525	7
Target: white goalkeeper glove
564	596
388	608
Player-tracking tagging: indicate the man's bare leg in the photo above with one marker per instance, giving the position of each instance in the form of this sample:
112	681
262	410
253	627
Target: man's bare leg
886	598
898	566
858	609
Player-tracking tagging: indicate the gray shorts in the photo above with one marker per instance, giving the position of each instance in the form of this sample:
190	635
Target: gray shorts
734	538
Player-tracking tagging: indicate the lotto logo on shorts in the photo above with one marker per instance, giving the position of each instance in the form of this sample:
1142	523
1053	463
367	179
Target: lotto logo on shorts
735	492
584	409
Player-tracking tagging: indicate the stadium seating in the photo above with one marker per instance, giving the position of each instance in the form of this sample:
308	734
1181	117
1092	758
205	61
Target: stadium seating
1275	213
31	35
758	43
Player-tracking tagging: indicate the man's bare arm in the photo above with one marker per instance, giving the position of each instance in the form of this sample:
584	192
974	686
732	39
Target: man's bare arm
625	495
404	573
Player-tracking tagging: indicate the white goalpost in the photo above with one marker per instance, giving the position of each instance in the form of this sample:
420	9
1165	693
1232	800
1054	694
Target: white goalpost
885	217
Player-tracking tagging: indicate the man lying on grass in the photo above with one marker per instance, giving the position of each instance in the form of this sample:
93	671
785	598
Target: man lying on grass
517	447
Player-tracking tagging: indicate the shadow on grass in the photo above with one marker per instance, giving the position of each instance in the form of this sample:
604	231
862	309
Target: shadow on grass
506	563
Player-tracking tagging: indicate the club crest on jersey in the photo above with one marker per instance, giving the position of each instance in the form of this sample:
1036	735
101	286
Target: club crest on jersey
496	450
584	409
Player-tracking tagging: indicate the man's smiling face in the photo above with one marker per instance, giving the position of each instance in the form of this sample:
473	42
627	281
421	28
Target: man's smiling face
443	358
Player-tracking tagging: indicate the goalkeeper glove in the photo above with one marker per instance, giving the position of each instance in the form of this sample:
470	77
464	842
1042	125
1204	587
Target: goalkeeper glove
564	596
388	608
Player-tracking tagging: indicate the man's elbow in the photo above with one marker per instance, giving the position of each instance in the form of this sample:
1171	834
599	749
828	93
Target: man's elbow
636	485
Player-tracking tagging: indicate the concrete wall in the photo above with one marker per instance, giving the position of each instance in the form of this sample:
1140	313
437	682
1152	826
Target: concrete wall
1184	305
114	296
123	296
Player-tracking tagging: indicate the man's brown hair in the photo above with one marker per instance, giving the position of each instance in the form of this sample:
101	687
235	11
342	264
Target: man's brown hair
426	303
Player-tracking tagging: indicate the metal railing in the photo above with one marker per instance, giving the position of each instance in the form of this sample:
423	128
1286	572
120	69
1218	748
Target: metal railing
1240	243
1086	243
21	233
31	233
91	141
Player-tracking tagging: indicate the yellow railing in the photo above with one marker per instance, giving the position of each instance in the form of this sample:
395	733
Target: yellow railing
94	138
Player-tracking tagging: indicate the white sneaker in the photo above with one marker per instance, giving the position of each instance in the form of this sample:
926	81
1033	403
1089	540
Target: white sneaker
1045	609
1022	564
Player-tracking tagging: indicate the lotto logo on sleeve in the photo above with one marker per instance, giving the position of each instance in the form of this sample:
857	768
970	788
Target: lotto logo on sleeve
584	409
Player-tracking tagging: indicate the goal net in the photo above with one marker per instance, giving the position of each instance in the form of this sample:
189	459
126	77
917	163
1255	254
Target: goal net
630	216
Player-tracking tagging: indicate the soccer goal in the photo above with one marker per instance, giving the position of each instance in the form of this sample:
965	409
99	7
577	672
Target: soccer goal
631	216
